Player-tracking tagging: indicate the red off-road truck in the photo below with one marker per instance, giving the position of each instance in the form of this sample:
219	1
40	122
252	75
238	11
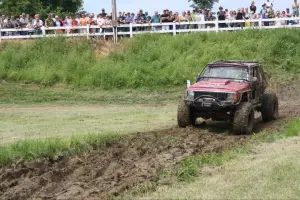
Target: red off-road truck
229	90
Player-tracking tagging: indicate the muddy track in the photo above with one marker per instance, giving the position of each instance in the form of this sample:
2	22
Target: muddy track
135	159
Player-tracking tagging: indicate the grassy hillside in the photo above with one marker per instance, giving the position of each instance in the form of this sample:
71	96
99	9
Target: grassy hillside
149	61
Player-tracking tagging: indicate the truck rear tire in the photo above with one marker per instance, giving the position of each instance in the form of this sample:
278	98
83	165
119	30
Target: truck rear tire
185	115
269	108
243	121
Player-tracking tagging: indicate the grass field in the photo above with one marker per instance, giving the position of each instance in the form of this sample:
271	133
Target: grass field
46	122
36	121
32	94
32	111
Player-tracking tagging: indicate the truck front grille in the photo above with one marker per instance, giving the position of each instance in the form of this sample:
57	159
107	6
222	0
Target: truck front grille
218	95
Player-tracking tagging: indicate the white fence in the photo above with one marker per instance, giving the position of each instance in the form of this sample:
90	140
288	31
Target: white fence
132	29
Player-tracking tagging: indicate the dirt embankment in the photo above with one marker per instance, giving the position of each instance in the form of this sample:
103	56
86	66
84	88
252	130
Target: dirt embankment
123	164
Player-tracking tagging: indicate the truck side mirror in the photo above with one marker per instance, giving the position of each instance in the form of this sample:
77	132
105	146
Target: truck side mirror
188	83
197	77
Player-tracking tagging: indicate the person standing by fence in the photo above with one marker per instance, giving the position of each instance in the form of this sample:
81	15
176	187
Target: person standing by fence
74	24
58	24
83	22
221	17
240	16
37	24
295	8
49	23
190	19
200	18
183	18
68	23
23	23
164	18
253	7
155	19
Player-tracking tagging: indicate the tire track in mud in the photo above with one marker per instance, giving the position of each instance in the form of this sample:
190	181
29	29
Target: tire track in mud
136	159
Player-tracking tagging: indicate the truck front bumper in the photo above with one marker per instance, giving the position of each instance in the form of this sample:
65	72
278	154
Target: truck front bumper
208	103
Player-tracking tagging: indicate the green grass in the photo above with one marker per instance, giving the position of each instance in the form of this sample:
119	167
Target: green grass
27	94
37	122
291	130
147	61
142	188
188	169
54	147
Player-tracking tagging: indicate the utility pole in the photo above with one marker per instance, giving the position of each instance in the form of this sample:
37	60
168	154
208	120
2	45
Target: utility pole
114	20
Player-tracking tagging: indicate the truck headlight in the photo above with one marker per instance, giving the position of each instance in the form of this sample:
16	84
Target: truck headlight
191	94
233	97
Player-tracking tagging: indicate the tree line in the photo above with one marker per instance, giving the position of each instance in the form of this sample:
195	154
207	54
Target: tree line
65	7
43	7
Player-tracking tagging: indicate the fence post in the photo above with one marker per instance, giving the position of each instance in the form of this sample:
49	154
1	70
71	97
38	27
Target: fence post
174	28
217	25
130	29
44	31
0	34
115	35
104	34
87	31
68	30
260	23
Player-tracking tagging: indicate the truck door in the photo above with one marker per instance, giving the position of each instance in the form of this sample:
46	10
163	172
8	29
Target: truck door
256	84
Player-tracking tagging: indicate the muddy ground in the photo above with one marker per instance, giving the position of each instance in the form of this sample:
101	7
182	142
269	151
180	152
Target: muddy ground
125	163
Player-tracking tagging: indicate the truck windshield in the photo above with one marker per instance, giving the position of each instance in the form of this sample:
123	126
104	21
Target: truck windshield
239	73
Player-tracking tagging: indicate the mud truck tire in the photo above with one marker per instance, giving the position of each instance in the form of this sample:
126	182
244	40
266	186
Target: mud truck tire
185	115
269	108
243	121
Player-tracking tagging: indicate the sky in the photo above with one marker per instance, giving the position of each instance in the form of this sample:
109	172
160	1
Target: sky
95	6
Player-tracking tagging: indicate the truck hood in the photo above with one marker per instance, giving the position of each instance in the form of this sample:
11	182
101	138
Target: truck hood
219	85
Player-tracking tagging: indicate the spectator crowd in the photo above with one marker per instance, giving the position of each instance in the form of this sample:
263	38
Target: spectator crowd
27	23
